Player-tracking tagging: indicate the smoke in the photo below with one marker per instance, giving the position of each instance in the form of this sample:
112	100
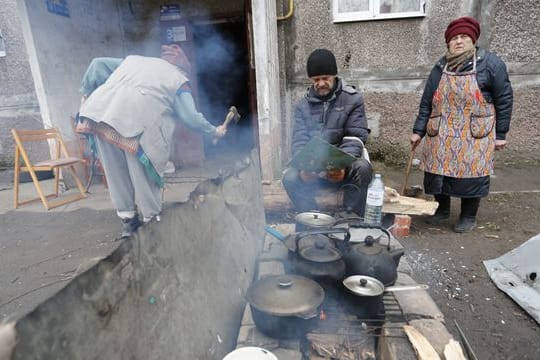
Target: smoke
221	64
221	70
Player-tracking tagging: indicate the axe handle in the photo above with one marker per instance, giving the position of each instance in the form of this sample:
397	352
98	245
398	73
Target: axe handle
407	172
231	115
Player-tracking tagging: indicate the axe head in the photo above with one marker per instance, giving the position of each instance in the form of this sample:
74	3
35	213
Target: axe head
232	115
236	114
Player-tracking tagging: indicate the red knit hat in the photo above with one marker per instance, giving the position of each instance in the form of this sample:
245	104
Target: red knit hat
463	25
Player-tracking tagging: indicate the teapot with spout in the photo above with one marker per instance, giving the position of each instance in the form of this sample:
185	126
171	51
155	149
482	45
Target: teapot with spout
370	258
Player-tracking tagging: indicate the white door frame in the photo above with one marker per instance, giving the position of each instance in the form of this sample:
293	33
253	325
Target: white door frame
265	49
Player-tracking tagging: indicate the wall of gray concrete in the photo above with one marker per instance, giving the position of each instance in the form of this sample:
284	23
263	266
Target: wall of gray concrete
18	101
61	47
173	291
389	60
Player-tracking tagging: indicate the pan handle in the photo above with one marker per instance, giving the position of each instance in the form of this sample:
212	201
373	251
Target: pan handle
275	233
406	287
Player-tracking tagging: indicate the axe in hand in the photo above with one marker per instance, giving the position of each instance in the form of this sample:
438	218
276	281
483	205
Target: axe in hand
232	116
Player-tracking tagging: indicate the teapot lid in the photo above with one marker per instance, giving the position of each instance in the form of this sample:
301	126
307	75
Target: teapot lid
369	247
320	251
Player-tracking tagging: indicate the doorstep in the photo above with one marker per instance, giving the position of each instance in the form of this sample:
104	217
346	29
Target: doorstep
418	308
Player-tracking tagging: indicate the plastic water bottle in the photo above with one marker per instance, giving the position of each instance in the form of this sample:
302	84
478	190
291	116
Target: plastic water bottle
374	201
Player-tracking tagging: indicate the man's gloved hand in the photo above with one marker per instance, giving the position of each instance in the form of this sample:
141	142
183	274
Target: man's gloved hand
308	176
335	175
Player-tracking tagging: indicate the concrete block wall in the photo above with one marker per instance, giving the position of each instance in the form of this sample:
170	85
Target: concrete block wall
18	102
175	290
389	61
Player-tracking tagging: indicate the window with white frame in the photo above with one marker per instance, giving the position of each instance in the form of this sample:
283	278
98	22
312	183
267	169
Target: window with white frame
362	10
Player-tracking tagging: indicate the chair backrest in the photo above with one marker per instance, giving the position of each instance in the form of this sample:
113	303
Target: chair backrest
52	134
58	160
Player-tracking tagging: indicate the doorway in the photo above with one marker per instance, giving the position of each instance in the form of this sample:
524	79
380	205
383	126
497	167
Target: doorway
223	71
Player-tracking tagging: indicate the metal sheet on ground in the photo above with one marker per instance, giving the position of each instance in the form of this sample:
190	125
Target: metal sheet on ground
516	274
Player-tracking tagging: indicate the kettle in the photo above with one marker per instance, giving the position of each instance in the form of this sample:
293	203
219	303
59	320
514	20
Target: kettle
370	258
318	256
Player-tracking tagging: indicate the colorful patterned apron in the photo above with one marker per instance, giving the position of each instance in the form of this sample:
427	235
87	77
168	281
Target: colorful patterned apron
460	133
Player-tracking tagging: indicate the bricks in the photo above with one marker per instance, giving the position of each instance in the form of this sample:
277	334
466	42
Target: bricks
292	344
394	344
273	250
249	335
247	318
404	267
416	303
268	268
287	354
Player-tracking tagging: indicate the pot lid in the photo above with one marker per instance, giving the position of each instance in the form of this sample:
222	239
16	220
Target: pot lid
320	251
364	285
285	295
250	353
315	219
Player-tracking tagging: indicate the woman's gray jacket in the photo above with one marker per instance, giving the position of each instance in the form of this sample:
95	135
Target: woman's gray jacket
340	120
493	81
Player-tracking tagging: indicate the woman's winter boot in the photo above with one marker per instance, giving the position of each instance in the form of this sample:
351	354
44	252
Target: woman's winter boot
467	218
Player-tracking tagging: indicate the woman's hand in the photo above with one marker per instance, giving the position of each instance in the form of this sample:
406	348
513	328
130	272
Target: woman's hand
415	140
221	130
500	144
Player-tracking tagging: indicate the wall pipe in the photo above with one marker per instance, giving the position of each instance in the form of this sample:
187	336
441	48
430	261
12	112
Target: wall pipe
290	13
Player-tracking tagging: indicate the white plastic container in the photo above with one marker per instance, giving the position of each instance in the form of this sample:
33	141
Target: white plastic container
250	353
374	201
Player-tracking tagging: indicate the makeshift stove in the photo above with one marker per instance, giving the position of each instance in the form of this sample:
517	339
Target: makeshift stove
342	332
320	310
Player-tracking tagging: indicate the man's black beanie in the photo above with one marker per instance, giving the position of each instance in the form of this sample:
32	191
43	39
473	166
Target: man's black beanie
321	62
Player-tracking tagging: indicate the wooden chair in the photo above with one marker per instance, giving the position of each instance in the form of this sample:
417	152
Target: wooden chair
60	160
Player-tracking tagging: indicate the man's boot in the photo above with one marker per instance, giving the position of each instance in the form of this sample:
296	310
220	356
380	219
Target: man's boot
443	211
467	218
129	226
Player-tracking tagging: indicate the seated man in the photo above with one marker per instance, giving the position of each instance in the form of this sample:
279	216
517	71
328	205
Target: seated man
334	112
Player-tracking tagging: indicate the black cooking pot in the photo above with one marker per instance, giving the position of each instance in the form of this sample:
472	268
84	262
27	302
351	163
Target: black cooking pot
285	306
364	298
367	294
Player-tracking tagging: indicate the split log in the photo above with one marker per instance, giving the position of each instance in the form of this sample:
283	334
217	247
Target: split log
424	349
453	351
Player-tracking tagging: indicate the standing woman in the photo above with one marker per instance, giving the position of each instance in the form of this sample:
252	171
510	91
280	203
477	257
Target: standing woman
465	112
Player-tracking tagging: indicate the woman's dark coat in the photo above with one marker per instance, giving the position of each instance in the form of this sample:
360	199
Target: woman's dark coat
493	81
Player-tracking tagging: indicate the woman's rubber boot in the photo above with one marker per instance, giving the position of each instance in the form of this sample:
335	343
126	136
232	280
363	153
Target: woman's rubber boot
467	218
443	211
465	224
